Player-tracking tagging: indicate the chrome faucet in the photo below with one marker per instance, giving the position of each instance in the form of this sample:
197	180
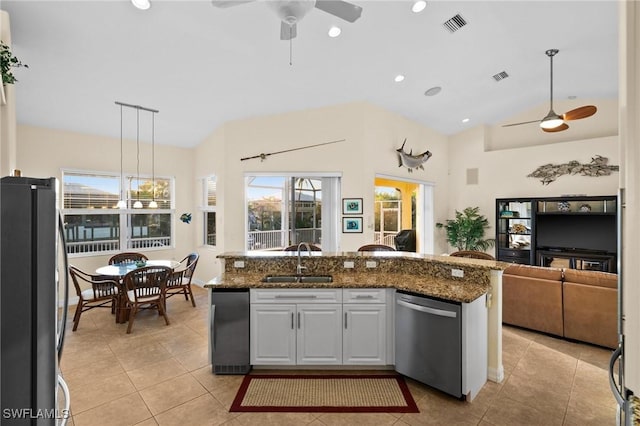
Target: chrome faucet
299	267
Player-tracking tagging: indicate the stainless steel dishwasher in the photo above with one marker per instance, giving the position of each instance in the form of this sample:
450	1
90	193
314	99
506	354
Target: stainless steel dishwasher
229	330
429	341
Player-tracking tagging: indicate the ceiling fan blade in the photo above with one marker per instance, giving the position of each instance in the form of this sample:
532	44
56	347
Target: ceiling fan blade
578	113
517	124
287	31
229	3
563	126
342	9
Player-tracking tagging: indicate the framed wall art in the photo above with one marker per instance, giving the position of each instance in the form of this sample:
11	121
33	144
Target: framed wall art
352	206
351	225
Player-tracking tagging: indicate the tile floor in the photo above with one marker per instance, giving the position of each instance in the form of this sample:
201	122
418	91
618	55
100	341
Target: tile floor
160	375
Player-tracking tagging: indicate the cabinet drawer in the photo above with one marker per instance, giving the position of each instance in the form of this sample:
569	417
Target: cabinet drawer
364	295
513	253
296	295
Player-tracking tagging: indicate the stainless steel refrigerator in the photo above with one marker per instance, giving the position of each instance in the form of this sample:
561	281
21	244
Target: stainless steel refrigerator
32	308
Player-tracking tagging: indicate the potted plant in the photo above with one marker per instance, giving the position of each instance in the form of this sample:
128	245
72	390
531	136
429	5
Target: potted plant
466	231
8	61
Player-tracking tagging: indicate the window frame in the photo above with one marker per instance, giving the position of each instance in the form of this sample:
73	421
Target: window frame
206	209
125	216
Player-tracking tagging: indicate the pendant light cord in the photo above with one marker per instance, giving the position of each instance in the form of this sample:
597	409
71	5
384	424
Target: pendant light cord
153	156
138	152
121	152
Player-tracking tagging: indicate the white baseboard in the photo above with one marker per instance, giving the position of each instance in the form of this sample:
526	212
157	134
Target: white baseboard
495	374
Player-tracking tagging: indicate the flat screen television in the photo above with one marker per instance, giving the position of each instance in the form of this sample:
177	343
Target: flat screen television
588	232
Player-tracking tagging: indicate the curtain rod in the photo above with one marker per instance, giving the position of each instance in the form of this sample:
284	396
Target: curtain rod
136	107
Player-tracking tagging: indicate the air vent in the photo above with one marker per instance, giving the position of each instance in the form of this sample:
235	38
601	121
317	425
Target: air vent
455	23
500	76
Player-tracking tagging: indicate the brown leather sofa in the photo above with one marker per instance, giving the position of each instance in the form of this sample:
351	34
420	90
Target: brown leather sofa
570	303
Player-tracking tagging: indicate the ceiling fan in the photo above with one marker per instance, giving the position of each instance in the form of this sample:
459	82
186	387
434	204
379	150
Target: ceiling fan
292	11
553	122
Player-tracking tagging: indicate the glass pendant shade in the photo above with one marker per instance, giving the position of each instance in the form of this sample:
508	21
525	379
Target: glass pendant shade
122	204
137	204
153	204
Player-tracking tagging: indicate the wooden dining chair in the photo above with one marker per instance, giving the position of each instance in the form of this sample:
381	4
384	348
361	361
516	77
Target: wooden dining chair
145	288
376	247
180	279
294	247
100	293
472	254
128	257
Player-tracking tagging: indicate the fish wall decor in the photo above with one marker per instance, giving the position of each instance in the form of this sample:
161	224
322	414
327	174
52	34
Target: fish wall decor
411	161
599	166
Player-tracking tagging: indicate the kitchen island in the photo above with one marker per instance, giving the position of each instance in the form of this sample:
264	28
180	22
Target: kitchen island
458	280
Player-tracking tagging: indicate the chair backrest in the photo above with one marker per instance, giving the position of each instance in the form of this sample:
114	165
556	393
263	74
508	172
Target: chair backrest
102	287
148	281
129	257
294	247
376	247
473	254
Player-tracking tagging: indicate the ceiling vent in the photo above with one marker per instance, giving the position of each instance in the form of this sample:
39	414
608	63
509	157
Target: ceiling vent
500	76
455	23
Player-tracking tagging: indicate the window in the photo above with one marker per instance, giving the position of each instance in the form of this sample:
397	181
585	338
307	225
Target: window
93	224
209	191
286	210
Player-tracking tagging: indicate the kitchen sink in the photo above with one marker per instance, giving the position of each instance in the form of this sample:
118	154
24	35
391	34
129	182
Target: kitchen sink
297	279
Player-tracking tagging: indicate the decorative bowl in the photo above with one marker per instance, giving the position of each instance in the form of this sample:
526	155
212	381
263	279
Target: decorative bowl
140	263
564	206
585	208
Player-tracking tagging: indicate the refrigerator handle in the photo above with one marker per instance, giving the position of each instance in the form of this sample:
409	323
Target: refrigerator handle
612	381
213	327
67	400
65	305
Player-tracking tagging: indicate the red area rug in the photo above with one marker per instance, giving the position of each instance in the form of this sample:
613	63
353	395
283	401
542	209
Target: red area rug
335	393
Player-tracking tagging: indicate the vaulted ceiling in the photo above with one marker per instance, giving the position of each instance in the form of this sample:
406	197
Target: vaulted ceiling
202	66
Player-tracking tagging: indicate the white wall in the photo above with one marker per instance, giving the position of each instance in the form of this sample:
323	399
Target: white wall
45	152
503	173
371	137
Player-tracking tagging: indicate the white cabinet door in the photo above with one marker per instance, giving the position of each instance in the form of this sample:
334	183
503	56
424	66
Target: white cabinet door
319	334
365	330
273	334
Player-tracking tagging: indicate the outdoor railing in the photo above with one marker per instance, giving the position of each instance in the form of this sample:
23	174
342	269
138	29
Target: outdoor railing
279	239
386	238
77	247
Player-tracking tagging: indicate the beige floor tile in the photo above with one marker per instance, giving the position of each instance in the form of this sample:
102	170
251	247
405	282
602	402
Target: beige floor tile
83	355
155	373
100	392
362	419
128	410
508	412
596	356
537	392
437	408
275	419
148	422
189	341
92	372
171	393
591	384
203	410
194	360
142	355
583	412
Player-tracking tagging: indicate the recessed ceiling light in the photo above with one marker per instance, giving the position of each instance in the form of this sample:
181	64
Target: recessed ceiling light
418	6
334	31
572	97
141	4
398	78
465	120
433	91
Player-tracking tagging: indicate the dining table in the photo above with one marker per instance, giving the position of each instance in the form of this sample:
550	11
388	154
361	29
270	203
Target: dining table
117	271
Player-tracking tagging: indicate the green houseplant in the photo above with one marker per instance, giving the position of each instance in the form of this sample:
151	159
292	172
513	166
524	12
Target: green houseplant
466	231
8	61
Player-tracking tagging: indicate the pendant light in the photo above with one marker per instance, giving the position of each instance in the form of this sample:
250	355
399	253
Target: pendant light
122	204
153	204
137	204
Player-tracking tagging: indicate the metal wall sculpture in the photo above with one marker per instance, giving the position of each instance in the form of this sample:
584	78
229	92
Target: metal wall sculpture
597	167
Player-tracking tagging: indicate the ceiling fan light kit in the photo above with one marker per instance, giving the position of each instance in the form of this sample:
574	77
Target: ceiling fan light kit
553	122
